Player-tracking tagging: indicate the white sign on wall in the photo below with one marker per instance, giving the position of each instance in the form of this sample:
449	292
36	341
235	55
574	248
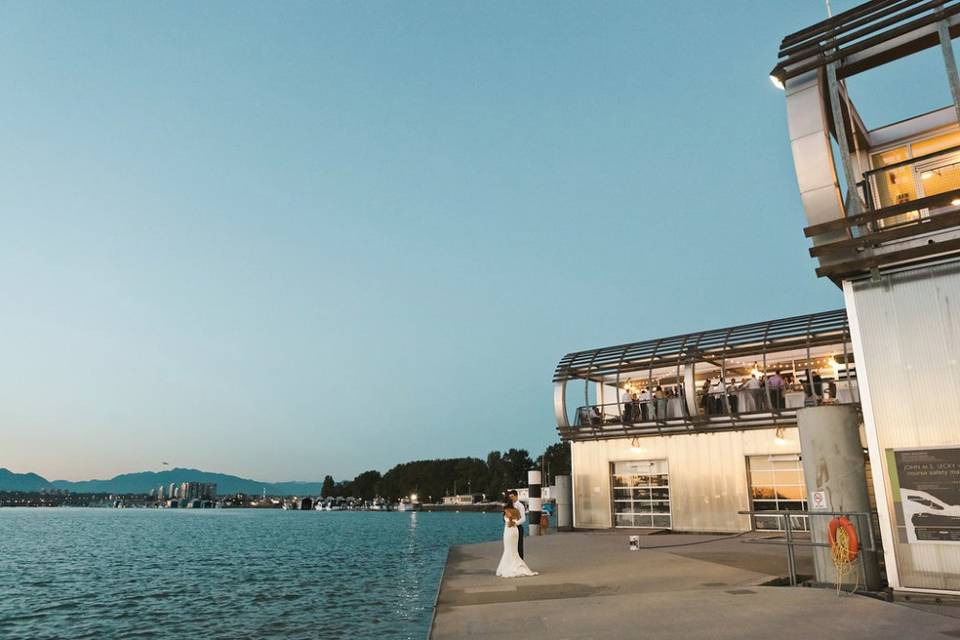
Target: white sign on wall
818	501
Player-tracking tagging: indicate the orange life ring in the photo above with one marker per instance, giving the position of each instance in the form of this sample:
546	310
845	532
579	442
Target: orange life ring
853	543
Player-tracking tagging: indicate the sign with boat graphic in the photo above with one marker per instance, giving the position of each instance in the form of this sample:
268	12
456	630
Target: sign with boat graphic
926	492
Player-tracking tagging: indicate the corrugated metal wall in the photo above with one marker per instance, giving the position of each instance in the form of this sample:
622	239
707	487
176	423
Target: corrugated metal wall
708	476
909	356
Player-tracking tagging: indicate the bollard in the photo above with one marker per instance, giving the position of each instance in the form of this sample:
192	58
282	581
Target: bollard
533	515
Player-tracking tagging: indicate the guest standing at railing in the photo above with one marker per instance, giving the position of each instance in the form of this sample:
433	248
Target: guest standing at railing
752	386
705	400
661	401
645	411
775	385
626	402
732	398
717	391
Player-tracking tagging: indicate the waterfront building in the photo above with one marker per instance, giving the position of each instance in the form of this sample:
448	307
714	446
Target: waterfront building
172	491
683	432
882	205
197	491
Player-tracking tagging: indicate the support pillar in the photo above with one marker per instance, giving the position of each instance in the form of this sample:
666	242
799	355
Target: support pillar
564	504
833	467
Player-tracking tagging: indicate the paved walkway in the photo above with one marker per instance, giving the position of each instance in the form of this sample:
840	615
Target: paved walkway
592	587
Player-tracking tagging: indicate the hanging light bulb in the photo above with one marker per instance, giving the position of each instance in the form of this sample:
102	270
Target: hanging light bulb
778	437
635	445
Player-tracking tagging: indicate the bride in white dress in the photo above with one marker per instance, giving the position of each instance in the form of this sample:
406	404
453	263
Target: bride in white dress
511	564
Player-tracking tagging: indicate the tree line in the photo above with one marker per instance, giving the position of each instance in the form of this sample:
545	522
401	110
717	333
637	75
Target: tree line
433	479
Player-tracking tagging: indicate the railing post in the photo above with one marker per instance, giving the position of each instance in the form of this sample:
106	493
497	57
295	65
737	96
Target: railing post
791	559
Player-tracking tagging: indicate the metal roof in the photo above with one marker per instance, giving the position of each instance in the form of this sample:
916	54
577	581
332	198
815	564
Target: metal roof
828	327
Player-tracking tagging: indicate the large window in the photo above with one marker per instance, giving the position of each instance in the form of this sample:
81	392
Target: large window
776	484
641	494
908	182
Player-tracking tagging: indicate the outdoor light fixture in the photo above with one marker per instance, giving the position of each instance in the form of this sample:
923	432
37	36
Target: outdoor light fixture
926	175
635	445
955	202
778	437
413	497
775	78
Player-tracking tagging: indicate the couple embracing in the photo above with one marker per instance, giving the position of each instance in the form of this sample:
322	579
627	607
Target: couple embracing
514	517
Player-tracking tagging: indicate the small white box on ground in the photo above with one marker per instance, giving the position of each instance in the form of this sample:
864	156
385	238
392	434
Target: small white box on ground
634	543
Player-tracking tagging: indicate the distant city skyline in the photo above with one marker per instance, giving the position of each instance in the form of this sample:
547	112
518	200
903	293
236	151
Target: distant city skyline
286	241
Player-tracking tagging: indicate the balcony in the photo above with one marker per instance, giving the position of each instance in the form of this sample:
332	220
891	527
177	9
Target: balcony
912	214
746	377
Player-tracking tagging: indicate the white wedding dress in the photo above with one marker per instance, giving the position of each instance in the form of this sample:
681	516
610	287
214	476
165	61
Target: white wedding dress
511	564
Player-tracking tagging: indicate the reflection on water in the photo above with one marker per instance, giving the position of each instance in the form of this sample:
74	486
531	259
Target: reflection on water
230	574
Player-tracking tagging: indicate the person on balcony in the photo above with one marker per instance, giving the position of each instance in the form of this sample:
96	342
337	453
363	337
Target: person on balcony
732	398
717	391
644	400
706	400
660	399
775	384
626	401
754	395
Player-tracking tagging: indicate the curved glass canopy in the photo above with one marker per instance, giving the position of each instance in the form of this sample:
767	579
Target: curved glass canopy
748	376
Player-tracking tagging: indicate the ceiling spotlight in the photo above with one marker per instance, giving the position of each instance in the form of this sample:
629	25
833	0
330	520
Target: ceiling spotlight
955	202
926	175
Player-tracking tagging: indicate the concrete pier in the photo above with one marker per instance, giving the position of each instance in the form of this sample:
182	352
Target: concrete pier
591	586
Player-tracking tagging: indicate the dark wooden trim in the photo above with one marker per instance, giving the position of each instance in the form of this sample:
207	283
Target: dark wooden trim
926	225
864	265
813	47
841	224
826	55
836	23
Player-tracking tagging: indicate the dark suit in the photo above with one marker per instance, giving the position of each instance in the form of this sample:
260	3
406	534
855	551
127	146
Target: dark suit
520	540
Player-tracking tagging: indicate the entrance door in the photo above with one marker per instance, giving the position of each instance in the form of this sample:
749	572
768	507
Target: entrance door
641	494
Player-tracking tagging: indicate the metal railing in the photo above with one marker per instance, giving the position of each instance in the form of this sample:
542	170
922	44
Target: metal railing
791	542
733	404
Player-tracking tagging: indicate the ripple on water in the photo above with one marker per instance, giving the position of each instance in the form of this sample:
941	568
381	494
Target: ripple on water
224	574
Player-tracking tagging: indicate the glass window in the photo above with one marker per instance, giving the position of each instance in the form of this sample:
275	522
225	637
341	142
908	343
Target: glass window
937	143
896	186
641	494
776	484
942	172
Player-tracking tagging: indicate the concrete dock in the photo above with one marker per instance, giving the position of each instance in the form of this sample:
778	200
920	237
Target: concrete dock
678	586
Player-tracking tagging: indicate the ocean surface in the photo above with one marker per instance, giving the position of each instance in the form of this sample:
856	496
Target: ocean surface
231	573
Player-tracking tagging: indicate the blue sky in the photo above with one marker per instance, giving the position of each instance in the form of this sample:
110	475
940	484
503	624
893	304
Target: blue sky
290	239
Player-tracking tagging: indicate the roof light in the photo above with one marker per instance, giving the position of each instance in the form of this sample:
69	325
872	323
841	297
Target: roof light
777	82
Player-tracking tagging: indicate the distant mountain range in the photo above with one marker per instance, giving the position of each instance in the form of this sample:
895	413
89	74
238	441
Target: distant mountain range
146	481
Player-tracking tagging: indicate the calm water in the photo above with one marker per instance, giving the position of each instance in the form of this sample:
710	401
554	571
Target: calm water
230	574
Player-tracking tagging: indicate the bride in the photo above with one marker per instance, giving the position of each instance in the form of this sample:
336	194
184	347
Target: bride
511	564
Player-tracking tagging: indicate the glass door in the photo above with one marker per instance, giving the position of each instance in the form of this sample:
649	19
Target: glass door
641	494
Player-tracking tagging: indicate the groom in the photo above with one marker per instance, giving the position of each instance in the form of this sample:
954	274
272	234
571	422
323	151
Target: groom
515	499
